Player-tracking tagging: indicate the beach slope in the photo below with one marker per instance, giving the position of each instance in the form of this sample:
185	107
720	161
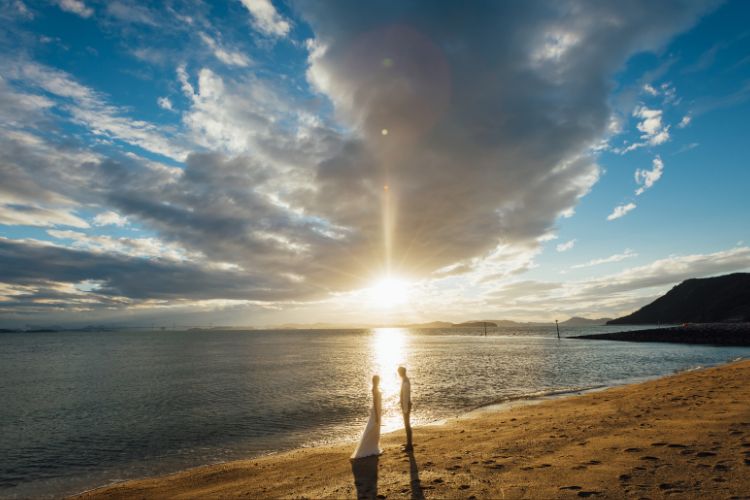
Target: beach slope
688	434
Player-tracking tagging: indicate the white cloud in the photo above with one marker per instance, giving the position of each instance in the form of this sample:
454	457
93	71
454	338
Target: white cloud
627	254
110	218
653	130
671	270
651	125
13	214
649	177
186	86
266	18
91	109
231	58
564	247
621	210
547	237
614	294
685	121
76	7
133	247
165	103
649	89
687	147
132	13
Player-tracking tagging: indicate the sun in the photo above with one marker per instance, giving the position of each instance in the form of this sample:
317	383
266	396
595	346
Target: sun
390	292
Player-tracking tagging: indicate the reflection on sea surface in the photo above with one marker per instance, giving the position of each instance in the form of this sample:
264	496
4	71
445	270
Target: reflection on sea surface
388	351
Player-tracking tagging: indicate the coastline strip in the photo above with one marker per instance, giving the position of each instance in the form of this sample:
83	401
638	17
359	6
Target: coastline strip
718	334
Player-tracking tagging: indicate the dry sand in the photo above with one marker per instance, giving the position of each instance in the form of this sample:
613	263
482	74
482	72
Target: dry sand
684	436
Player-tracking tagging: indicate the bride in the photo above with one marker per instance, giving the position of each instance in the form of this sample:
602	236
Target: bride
370	443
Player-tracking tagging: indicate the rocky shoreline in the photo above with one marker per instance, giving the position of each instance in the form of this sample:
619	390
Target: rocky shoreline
723	334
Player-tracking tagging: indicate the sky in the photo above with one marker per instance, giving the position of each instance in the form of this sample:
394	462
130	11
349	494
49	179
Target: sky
258	162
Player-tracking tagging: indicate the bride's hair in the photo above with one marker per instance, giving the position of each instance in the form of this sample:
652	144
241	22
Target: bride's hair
375	380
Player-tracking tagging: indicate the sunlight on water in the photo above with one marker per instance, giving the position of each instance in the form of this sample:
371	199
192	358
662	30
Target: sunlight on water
389	352
83	409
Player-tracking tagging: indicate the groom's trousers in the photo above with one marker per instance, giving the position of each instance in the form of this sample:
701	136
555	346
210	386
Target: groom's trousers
407	427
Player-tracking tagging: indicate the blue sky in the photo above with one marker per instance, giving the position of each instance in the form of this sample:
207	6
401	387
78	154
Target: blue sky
200	162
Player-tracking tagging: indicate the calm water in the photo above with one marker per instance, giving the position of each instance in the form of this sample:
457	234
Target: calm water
78	410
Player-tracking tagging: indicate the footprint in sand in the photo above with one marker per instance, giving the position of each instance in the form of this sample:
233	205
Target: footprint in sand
703	454
632	450
660	443
625	477
574	488
649	458
676	445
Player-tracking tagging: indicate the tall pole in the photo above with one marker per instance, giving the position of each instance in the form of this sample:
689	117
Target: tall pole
558	329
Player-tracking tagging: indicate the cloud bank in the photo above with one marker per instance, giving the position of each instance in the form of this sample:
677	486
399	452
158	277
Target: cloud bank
491	111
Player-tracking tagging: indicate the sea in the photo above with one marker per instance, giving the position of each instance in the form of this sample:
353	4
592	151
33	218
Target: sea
80	410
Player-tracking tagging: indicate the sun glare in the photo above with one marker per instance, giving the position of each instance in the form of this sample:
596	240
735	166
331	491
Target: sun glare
390	292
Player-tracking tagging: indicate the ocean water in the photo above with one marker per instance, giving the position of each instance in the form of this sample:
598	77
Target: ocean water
84	409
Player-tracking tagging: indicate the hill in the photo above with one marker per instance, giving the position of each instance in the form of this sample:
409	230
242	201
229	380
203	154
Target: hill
578	321
708	300
475	324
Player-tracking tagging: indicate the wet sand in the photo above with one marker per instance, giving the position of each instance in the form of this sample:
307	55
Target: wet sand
727	334
684	436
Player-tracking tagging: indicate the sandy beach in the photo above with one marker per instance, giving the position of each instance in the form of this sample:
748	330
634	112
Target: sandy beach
686	435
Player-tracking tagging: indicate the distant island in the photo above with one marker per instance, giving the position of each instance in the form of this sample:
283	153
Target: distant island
575	321
579	321
723	299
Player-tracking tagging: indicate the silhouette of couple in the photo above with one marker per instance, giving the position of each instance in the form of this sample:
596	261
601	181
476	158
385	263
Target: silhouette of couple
369	445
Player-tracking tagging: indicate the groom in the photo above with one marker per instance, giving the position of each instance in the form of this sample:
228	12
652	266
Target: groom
406	406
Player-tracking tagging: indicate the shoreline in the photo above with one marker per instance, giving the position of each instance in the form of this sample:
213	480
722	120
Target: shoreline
326	472
488	408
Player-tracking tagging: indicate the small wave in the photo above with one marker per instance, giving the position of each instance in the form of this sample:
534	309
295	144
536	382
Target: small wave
538	395
688	369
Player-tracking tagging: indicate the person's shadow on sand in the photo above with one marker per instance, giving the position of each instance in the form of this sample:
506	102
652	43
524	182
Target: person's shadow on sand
365	471
416	485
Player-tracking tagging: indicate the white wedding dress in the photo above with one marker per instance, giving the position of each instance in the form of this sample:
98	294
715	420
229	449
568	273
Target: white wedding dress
370	443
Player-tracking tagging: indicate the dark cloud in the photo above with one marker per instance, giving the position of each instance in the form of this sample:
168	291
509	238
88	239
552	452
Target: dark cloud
477	116
37	265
